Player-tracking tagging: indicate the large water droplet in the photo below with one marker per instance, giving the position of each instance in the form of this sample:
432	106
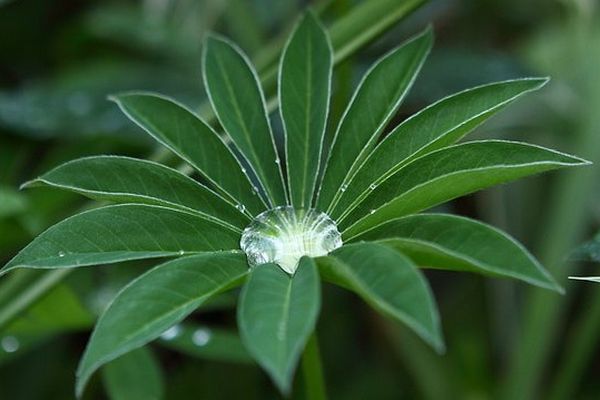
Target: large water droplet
201	336
10	344
171	333
283	235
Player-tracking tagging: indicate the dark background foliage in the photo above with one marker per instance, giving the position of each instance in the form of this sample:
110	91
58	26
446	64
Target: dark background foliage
58	62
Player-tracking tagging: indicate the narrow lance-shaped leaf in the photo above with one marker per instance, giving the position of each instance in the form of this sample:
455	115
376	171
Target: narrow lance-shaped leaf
185	134
304	88
156	301
449	173
129	180
277	314
120	233
374	103
456	243
237	98
436	126
389	282
134	376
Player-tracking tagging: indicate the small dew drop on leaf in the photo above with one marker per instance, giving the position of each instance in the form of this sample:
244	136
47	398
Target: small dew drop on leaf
201	337
61	253
241	207
277	161
372	186
181	252
372	212
10	344
343	188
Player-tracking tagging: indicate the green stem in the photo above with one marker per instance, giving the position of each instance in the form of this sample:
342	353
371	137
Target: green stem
313	370
578	349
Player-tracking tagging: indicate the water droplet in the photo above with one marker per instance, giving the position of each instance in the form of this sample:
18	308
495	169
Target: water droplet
243	170
241	207
254	190
10	344
61	253
344	188
277	161
283	235
201	336
181	252
171	333
372	212
372	186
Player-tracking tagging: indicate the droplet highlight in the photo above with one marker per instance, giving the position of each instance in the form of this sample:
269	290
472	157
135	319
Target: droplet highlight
171	333
201	337
10	344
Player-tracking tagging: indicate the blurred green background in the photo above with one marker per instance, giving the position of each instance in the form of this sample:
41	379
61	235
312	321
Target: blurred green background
60	59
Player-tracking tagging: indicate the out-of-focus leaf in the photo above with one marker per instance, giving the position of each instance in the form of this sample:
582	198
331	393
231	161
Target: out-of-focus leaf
589	251
11	202
238	100
449	173
129	180
136	375
155	301
457	243
390	283
276	315
206	343
120	233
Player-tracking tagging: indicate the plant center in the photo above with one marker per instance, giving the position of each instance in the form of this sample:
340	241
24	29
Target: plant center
284	234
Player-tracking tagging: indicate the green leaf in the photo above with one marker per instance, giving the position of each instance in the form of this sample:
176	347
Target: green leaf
436	126
156	301
134	376
449	173
374	103
184	133
276	315
120	233
129	180
389	282
461	244
304	88
237	98
208	343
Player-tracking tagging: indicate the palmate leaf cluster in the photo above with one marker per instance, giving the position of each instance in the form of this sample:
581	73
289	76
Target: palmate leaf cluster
373	188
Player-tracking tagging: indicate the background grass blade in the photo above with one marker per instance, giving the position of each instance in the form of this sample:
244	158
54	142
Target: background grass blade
122	232
129	180
449	173
304	89
374	102
277	314
439	125
237	98
390	283
461	244
155	301
184	133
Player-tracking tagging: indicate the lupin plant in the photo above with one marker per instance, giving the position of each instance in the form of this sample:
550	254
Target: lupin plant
347	213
